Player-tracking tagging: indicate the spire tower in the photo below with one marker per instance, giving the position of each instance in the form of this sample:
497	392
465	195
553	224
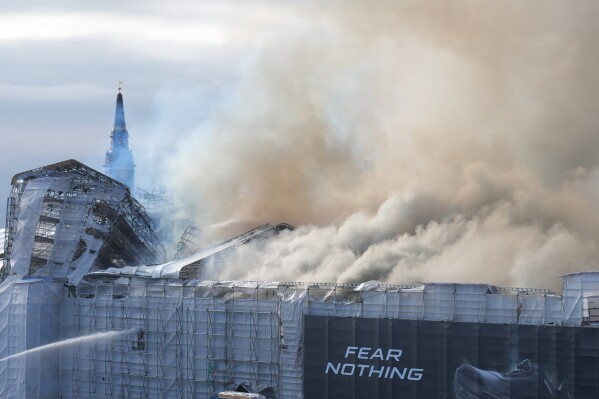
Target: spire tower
119	159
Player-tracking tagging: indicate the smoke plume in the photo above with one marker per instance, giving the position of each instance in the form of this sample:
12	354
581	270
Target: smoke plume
410	141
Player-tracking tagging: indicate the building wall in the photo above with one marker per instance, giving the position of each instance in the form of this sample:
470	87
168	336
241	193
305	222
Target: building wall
158	338
29	318
198	339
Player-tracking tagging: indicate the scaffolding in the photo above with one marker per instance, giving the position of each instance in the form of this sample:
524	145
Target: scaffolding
154	200
187	339
181	345
66	219
2	241
189	242
190	338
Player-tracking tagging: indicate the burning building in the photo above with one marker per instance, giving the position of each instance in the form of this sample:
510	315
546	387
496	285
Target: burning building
66	219
87	286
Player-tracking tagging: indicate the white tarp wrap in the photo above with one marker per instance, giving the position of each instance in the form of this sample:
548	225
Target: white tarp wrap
2	238
173	269
29	318
71	231
368	286
64	238
439	301
470	302
193	339
292	330
501	308
578	287
29	214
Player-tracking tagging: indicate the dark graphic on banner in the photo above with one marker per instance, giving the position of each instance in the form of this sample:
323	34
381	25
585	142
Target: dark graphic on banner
382	358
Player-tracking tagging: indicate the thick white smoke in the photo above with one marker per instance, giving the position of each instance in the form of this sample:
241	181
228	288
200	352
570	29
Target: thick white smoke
412	141
490	247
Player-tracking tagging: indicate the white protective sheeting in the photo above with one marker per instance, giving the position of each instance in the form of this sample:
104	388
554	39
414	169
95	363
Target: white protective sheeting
172	269
369	285
59	241
29	213
190	339
203	337
439	302
539	309
181	345
578	289
29	318
292	330
501	308
470	302
75	221
2	238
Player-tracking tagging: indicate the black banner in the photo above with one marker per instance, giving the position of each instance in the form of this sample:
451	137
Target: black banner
349	358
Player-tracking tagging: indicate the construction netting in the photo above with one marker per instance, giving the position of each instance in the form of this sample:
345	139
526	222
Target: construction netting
65	220
133	337
30	317
185	341
2	240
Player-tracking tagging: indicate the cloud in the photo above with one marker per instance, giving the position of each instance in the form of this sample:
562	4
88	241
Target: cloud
68	26
61	62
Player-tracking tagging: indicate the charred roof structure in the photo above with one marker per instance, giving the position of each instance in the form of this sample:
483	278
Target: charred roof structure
193	266
189	242
66	219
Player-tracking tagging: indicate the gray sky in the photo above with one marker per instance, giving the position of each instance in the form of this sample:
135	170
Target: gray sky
61	62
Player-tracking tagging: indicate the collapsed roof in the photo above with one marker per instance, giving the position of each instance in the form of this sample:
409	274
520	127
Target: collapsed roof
192	266
66	219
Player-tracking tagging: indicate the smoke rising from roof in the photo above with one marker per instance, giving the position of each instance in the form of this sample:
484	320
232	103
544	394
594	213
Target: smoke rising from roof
413	141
